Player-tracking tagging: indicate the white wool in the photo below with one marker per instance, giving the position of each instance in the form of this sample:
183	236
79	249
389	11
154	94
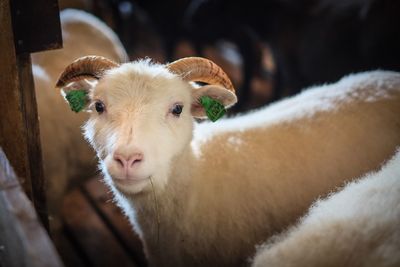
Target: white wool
74	16
306	104
368	195
367	209
143	67
235	141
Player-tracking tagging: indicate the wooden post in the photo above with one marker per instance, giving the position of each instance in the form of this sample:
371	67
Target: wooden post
23	31
13	137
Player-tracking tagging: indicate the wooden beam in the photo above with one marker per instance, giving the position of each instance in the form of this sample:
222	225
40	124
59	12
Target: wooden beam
30	118
12	128
23	241
19	128
36	25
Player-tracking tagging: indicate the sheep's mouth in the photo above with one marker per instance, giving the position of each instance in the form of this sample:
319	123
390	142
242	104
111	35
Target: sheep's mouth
130	181
131	186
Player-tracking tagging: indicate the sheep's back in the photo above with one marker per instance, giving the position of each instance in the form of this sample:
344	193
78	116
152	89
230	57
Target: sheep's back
264	175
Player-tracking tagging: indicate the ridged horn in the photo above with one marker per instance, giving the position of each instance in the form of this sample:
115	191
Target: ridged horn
85	67
198	69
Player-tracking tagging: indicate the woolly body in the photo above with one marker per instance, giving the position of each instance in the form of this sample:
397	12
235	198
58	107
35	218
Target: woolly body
358	226
243	179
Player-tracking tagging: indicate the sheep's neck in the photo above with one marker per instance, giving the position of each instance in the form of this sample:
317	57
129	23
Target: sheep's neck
158	210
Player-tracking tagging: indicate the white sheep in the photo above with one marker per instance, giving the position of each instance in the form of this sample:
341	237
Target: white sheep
206	196
359	226
67	159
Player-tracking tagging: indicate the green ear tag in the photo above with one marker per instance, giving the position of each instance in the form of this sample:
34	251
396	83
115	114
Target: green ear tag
77	99
213	108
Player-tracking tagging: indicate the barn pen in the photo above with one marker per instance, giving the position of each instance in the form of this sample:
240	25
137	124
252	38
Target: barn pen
154	185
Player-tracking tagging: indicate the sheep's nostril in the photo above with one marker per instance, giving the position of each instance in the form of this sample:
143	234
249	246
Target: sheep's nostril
128	162
135	159
121	161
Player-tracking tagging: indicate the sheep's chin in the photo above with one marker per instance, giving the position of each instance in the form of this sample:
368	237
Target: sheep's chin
129	187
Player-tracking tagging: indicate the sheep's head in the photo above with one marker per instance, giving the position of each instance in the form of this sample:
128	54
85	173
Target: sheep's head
141	113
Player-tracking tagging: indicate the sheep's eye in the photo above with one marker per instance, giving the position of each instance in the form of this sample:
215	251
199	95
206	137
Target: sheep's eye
99	106
177	110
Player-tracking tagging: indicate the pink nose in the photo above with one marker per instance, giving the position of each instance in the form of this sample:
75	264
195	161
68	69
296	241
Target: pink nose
128	162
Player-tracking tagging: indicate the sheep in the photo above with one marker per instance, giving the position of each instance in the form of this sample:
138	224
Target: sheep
66	158
206	194
359	226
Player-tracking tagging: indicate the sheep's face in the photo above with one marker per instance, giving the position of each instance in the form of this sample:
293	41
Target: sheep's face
141	120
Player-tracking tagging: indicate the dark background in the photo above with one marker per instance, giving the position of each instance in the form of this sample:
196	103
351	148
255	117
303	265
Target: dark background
271	48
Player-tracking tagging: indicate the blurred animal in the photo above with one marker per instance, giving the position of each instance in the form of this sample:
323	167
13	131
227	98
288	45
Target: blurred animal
66	157
358	226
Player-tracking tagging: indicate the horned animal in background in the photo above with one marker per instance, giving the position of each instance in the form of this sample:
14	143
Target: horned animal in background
67	159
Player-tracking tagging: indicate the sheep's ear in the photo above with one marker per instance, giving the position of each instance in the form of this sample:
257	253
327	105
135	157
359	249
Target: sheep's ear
74	81
210	101
77	94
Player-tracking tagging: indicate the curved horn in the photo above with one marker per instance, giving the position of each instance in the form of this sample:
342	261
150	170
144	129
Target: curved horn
85	67
198	69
